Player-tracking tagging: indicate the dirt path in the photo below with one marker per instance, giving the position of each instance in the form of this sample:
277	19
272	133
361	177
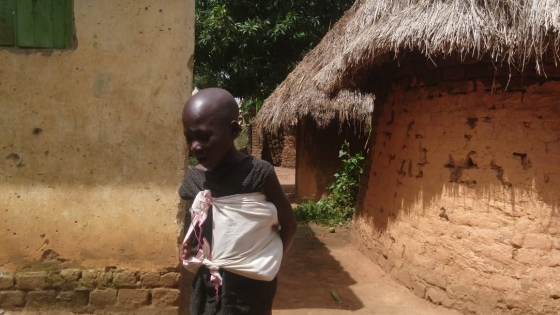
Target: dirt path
320	262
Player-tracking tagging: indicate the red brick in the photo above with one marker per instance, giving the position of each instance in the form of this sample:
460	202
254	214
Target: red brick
130	298
103	298
165	297
28	281
10	299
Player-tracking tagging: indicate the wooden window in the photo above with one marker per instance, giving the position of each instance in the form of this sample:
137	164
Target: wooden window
36	23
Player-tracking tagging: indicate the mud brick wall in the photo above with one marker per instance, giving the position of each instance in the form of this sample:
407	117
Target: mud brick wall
279	150
318	156
256	142
462	202
91	290
289	152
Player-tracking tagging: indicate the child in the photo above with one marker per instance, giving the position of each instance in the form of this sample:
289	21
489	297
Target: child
236	270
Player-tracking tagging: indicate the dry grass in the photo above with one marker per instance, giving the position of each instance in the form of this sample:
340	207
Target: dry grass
516	32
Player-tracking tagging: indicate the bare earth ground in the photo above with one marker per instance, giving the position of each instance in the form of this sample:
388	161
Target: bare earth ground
320	262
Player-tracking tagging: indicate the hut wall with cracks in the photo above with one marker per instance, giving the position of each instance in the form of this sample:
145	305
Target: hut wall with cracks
458	201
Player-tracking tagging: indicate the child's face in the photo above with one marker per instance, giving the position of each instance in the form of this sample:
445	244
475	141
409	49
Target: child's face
209	136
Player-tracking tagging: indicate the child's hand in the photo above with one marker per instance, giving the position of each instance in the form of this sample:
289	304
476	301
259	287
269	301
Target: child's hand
184	251
286	218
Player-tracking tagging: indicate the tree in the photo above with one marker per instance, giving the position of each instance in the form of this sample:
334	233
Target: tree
248	47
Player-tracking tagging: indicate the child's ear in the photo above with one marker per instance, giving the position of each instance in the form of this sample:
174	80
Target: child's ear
235	128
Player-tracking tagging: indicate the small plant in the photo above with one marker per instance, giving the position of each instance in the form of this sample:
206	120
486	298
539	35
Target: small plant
193	161
338	206
345	188
322	212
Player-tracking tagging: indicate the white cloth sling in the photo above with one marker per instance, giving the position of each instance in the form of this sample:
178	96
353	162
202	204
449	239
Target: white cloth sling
245	236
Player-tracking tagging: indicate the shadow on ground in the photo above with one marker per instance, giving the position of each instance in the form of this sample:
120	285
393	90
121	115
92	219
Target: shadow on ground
309	273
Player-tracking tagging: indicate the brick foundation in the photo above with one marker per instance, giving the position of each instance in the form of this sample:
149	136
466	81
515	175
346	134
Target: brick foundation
91	290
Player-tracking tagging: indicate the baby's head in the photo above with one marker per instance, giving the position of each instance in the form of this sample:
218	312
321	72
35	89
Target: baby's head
210	126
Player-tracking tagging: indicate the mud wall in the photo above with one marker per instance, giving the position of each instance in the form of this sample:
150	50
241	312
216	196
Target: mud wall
280	150
91	146
317	157
461	204
289	152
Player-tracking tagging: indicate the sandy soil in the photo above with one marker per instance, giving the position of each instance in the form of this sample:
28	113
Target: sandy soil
321	263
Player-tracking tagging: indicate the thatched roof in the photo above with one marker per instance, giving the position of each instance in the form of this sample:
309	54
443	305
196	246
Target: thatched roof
373	31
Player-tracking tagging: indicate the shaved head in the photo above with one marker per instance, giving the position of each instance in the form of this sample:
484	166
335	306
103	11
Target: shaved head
215	102
210	126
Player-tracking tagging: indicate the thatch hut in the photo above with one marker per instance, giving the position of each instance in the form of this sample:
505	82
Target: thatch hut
459	199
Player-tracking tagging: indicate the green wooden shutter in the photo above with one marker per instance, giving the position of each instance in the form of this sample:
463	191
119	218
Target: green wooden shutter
7	10
25	36
59	23
44	23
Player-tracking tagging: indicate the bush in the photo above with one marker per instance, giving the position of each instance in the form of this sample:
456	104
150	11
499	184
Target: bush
337	207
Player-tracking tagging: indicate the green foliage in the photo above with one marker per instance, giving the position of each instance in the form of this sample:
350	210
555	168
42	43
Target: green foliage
338	206
248	47
242	141
193	161
323	212
345	188
249	109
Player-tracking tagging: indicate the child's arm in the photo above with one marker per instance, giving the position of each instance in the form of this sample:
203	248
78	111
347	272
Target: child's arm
288	225
184	247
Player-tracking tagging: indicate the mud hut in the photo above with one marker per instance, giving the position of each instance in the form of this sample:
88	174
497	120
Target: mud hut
459	199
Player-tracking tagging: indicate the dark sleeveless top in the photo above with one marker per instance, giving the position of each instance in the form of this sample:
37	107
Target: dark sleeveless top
247	176
238	294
